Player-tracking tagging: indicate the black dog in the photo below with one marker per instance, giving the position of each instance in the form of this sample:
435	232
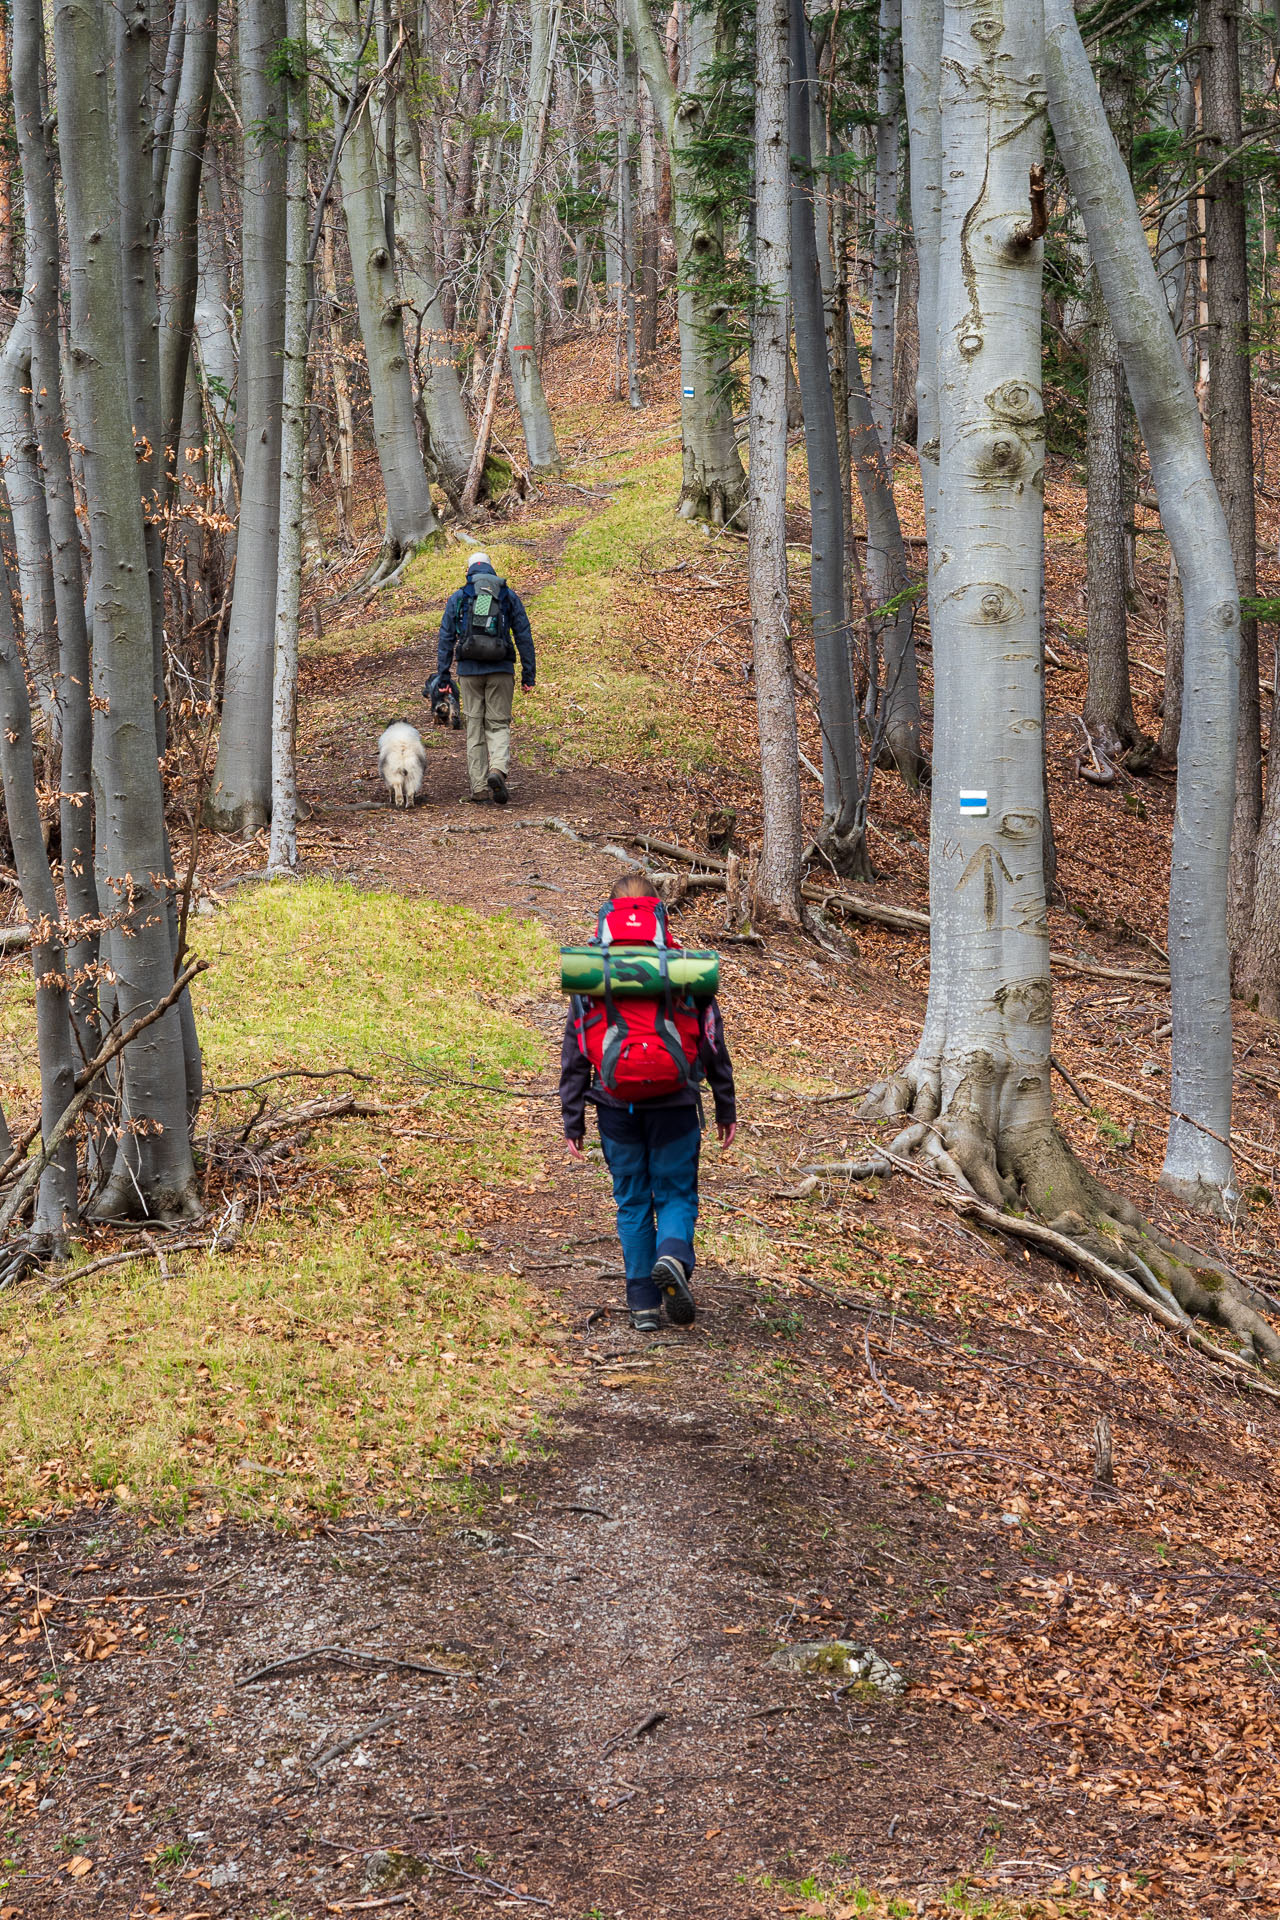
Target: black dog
442	697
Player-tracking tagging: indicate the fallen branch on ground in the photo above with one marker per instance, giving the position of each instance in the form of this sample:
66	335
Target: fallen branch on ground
875	912
353	1740
14	939
650	1721
361	1655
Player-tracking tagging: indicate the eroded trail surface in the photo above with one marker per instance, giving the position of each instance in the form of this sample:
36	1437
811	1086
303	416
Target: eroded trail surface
563	1696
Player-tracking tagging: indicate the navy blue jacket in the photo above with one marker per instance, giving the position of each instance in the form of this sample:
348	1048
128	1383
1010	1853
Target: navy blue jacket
576	1078
518	623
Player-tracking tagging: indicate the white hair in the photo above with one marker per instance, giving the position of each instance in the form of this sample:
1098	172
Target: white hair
479	560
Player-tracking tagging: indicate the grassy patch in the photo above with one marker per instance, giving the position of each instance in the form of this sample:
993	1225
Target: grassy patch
326	1364
344	1353
318	973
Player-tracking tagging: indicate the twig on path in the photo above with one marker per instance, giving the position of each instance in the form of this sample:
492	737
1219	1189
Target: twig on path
362	1655
650	1721
875	1374
289	1073
135	1599
355	1739
484	1880
574	1506
1073	1083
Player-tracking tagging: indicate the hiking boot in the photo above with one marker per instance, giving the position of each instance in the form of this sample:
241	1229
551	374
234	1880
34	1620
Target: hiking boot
646	1319
498	788
671	1277
477	799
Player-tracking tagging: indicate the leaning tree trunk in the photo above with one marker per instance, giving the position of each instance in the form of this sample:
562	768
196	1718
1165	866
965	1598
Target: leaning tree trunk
843	828
283	853
240	796
1108	706
56	1202
411	518
777	878
75	714
522	346
713	485
153	1171
1230	412
451	442
884	270
1197	1163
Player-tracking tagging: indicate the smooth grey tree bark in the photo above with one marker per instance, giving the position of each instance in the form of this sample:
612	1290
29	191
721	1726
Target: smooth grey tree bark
411	518
978	1085
23	484
921	64
1230	411
893	693
75	729
843	838
713	484
450	440
1197	1164
152	1170
459	213
180	204
1108	706
56	1201
884	266
240	793
777	876
522	344
283	854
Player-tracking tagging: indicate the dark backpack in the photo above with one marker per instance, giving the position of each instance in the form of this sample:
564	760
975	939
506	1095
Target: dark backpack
483	629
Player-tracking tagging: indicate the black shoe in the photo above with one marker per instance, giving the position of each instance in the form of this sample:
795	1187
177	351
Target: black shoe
646	1319
670	1276
497	784
477	799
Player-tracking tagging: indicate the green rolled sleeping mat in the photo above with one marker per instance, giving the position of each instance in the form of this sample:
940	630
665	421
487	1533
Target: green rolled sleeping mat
638	970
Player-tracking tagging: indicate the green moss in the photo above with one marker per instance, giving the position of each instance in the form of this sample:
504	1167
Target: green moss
317	973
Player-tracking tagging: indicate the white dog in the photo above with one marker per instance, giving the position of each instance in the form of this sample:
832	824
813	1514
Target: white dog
402	761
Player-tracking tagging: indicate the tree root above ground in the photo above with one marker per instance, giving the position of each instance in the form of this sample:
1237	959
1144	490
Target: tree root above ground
1031	1166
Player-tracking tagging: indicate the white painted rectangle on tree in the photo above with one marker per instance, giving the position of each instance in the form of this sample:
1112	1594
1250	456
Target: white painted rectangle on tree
973	802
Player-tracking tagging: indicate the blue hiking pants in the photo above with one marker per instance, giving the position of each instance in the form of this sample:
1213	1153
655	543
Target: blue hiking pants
655	1189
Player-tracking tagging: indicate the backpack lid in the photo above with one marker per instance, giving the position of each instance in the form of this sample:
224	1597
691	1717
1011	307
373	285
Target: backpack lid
635	920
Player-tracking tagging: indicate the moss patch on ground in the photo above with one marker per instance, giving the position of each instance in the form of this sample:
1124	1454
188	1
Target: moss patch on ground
344	1353
327	1364
318	973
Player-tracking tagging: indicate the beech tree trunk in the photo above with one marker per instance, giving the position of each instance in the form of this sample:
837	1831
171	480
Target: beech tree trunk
843	834
777	878
1108	706
522	345
180	199
240	794
884	270
1230	413
411	518
713	485
1197	1163
75	809
893	695
152	1170
921	63
56	1203
283	854
23	484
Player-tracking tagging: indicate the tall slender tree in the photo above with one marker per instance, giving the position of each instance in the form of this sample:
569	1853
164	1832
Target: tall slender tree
777	878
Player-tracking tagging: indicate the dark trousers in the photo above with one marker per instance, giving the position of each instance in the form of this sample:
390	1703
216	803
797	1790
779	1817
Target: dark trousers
653	1159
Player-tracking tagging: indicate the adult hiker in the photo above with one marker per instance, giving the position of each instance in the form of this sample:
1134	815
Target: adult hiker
484	626
639	1056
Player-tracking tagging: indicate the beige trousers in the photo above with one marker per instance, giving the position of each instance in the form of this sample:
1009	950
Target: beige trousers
486	713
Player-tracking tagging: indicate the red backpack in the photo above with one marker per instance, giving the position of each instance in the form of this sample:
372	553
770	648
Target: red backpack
641	1048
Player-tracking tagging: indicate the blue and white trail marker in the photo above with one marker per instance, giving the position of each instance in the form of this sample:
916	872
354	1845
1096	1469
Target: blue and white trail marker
688	393
972	802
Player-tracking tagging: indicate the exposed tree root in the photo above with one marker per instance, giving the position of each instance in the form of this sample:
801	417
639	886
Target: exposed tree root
1029	1165
845	852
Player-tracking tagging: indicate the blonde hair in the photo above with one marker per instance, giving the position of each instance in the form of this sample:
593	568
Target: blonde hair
632	886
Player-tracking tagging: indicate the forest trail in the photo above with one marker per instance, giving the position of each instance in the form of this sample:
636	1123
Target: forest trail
882	1427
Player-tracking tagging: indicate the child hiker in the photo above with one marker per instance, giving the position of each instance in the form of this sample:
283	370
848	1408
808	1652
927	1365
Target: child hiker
640	1057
